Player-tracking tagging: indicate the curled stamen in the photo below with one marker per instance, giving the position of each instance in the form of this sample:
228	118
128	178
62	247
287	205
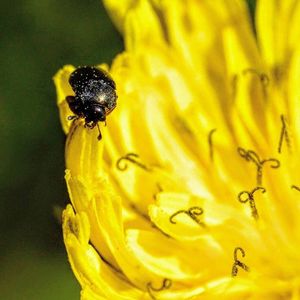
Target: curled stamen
167	283
210	144
275	162
249	197
295	187
237	263
264	79
131	157
275	165
235	253
193	212
263	190
283	135
250	155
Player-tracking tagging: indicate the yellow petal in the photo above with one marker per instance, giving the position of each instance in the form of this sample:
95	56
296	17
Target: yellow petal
81	143
88	265
112	229
192	193
63	89
118	11
275	33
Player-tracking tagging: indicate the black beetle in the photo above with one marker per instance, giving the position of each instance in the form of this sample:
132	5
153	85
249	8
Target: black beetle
95	96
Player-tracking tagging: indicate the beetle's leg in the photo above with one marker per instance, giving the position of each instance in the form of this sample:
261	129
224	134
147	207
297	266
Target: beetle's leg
92	125
100	135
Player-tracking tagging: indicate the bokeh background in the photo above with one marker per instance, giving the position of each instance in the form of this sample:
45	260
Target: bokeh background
37	38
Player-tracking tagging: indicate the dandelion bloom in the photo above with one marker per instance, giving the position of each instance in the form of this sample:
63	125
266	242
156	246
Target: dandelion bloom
193	191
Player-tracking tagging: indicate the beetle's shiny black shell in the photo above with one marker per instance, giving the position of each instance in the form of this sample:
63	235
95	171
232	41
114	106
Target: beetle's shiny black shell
82	77
95	94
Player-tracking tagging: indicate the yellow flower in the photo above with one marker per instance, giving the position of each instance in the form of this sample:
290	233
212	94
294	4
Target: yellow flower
193	191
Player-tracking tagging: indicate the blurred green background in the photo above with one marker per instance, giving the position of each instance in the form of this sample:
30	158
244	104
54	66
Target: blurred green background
37	38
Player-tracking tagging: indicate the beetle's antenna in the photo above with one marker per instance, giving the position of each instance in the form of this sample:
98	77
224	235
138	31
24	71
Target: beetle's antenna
100	135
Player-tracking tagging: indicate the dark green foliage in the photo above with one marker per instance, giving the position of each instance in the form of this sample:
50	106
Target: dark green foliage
38	37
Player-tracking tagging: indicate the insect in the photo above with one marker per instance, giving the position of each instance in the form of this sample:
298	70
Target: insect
95	96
